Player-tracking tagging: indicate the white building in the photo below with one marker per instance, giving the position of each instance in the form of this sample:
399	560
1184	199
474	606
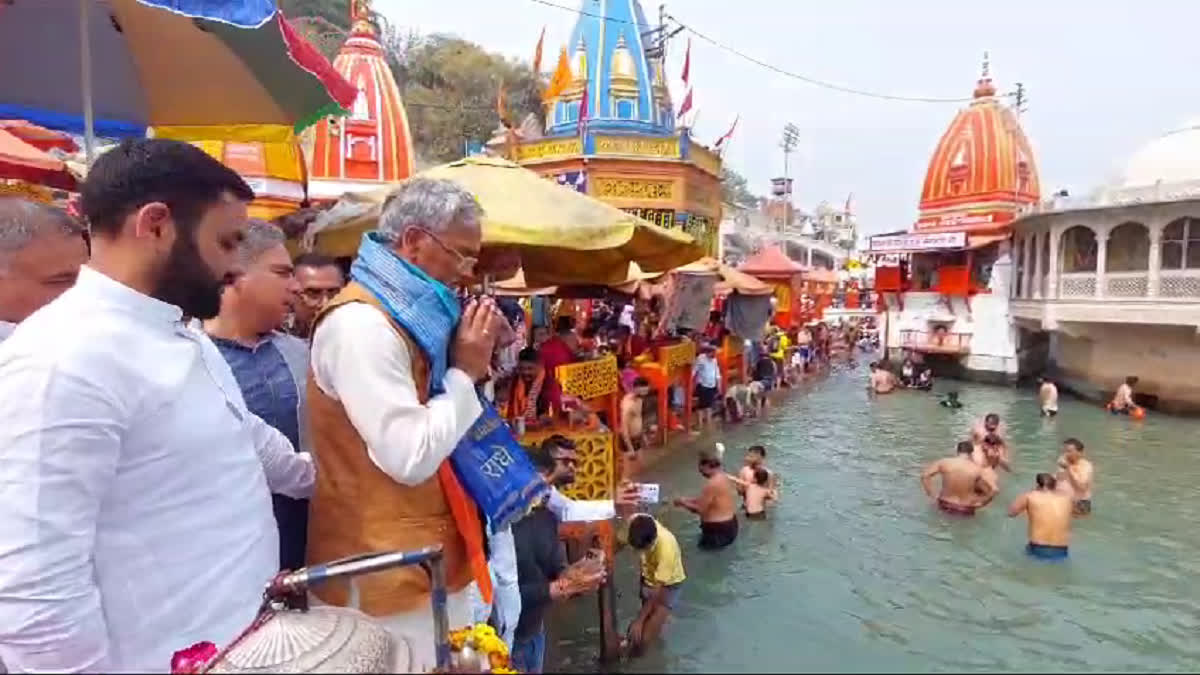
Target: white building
1111	287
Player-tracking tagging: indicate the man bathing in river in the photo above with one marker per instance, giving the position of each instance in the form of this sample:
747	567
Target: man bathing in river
883	381
758	494
1049	513
1075	476
633	431
1122	402
989	425
992	451
964	486
715	505
661	582
756	458
1048	395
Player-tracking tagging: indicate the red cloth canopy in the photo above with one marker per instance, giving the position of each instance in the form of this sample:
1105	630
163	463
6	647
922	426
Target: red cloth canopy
771	262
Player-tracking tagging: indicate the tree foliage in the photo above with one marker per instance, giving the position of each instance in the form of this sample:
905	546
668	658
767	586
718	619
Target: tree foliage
736	190
449	85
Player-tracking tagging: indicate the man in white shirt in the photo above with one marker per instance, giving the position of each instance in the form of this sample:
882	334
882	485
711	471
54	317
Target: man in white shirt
41	249
392	393
135	517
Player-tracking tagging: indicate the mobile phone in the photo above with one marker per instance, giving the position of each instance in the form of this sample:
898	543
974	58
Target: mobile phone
648	493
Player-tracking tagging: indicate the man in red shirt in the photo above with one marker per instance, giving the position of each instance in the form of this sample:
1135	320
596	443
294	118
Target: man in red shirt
559	350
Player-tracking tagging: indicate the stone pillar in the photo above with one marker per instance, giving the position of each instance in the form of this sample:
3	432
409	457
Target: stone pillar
1037	267
1052	271
1027	273
1101	262
1154	265
1014	288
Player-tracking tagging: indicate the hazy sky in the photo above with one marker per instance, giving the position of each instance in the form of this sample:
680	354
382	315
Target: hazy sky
1102	78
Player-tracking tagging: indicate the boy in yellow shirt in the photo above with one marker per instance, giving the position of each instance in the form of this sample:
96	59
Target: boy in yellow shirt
662	578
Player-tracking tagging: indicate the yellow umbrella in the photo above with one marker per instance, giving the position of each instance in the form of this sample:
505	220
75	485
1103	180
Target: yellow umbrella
517	286
562	236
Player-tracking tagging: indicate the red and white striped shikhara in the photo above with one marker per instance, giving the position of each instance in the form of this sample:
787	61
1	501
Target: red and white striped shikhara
372	144
982	169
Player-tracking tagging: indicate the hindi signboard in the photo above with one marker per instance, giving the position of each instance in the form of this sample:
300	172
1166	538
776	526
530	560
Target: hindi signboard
920	241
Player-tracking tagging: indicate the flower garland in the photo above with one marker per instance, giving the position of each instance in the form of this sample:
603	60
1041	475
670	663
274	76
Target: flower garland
479	649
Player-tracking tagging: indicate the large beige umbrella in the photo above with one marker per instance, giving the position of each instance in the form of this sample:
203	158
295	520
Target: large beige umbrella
560	236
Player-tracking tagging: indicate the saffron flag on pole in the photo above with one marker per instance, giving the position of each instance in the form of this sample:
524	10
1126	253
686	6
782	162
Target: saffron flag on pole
687	62
560	79
728	134
537	53
686	106
502	106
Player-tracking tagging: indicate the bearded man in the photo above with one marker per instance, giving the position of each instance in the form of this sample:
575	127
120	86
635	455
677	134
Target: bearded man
136	506
392	392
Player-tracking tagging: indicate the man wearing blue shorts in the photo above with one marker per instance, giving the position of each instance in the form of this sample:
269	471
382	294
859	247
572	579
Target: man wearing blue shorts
1049	513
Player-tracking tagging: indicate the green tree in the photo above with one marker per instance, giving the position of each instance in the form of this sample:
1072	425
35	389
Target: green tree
736	190
450	87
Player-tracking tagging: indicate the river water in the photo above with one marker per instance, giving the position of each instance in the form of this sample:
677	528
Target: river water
856	571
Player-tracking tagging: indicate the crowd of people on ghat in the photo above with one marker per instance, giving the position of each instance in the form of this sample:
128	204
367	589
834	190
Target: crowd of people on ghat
188	410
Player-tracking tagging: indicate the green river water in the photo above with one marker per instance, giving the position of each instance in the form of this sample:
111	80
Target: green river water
856	571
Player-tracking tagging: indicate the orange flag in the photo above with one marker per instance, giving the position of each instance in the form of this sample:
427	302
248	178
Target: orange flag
537	53
561	78
502	106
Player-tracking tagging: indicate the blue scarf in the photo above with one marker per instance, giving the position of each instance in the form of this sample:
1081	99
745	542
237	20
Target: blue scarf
424	306
489	463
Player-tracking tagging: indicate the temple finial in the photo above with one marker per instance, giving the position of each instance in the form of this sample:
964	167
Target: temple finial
984	87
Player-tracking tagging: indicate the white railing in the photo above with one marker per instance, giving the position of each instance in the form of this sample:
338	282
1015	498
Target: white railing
1077	285
1179	284
1126	284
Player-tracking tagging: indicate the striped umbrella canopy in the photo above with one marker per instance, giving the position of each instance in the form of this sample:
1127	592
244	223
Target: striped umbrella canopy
21	161
119	66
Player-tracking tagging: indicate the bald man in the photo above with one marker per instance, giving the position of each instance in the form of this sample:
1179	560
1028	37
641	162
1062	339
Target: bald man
41	250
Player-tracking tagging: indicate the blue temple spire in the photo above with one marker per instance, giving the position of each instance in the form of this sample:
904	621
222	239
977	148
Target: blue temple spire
627	88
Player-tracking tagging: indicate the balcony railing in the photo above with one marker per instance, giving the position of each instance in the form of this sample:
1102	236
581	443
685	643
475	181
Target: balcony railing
1126	284
1077	285
1179	284
935	343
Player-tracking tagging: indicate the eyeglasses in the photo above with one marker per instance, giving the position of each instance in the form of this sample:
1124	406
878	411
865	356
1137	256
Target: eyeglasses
464	264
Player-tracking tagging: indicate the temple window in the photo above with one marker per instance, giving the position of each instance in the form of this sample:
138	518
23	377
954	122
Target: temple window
1128	248
1181	244
1079	250
624	109
573	111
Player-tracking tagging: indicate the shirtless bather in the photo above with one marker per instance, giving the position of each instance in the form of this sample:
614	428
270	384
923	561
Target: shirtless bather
758	494
883	381
1049	514
992	451
988	425
964	488
633	431
1122	401
1048	395
715	505
1075	476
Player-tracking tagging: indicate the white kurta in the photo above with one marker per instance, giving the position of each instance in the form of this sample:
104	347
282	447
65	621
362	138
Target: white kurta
359	360
135	516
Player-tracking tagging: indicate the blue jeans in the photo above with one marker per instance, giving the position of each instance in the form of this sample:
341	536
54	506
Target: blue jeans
528	654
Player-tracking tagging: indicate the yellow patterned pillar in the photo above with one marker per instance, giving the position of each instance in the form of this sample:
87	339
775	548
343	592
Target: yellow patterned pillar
595	382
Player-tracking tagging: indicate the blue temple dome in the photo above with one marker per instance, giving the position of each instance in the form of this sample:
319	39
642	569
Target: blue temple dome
627	88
